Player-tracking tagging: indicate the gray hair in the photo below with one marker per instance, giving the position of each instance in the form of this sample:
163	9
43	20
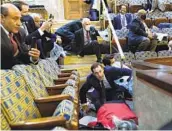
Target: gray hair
84	20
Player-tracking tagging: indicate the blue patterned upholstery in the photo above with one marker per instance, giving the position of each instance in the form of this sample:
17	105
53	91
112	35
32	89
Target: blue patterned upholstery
168	14
70	90
17	103
56	70
137	2
167	31
156	14
45	71
33	79
4	124
145	55
117	56
164	53
65	108
71	82
128	57
53	64
122	33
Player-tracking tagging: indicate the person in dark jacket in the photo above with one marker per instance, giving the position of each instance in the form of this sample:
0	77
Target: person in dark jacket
13	49
67	33
102	80
139	37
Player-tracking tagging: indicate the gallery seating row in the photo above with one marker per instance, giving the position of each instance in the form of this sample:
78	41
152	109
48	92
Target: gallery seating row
39	97
129	57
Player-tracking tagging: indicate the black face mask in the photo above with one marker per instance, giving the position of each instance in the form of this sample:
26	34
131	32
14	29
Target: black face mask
143	17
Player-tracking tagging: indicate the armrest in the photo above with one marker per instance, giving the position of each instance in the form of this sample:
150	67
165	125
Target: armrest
56	87
64	75
67	70
52	98
61	80
39	123
47	105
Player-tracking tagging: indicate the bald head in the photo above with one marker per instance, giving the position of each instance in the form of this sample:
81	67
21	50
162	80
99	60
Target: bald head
10	17
6	8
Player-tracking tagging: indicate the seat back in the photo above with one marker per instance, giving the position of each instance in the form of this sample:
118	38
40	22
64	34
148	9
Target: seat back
4	124
135	8
157	21
129	57
164	53
45	72
17	102
33	79
145	55
55	68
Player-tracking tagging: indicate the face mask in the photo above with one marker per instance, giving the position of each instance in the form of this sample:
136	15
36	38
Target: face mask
87	27
143	17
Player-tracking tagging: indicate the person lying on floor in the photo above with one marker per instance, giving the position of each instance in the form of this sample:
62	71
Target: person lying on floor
102	80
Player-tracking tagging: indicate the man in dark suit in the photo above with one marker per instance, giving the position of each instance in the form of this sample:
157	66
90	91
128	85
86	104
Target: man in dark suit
67	33
102	80
86	42
123	19
13	51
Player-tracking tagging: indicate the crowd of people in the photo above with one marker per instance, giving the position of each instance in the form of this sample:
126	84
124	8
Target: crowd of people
26	38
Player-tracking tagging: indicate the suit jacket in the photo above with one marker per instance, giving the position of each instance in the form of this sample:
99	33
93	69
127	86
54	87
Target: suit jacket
29	22
137	28
7	58
111	74
79	39
117	21
67	31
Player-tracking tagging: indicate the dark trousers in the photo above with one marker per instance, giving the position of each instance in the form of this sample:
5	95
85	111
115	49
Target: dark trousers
91	48
105	49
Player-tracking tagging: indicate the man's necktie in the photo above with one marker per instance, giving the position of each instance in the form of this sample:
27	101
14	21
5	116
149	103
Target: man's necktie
14	43
88	36
103	90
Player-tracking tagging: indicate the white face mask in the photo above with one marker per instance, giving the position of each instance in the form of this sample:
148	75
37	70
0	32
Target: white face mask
87	27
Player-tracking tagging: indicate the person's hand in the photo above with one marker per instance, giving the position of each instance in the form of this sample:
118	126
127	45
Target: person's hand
59	40
46	25
34	53
85	107
150	35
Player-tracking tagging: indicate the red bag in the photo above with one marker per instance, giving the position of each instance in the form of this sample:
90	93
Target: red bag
120	110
